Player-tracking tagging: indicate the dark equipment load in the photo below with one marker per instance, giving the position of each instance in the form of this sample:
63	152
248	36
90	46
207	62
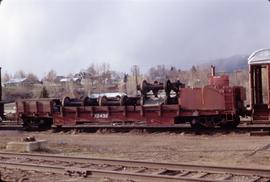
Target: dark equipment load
157	87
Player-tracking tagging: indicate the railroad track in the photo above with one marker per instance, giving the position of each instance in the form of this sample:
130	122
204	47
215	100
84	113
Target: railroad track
133	170
13	125
10	125
243	126
180	128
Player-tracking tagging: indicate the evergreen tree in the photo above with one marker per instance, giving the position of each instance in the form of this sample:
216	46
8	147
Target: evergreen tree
44	93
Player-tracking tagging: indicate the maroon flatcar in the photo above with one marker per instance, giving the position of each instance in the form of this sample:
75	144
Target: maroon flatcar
36	113
216	104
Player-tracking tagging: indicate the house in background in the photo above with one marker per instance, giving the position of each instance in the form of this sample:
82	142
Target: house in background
20	82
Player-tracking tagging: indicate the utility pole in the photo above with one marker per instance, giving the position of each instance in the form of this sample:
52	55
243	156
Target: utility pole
1	103
0	85
135	70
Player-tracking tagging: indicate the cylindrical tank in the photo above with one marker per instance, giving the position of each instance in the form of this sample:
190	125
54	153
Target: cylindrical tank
219	81
71	102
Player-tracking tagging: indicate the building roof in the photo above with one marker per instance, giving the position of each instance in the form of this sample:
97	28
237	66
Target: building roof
15	81
64	80
261	56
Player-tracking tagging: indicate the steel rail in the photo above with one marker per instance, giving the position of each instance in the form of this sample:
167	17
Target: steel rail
263	172
32	167
178	127
11	127
103	173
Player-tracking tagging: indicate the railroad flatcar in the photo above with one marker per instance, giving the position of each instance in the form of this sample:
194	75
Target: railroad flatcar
216	104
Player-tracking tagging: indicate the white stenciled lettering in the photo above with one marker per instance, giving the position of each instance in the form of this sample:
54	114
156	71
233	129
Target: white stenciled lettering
101	115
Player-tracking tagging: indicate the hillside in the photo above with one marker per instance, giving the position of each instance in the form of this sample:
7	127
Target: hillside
230	64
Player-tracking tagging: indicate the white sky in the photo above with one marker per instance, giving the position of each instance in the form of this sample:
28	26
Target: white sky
69	35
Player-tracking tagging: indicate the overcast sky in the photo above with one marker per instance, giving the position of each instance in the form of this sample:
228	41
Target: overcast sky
69	35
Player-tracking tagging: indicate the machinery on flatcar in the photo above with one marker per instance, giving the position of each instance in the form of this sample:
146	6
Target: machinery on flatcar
161	104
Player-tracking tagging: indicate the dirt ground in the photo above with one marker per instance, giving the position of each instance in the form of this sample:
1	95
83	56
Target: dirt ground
218	149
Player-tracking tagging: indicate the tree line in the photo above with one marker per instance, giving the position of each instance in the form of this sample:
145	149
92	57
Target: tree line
101	78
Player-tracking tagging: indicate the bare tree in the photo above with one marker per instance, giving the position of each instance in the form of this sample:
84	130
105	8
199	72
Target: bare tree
6	77
103	75
105	72
173	73
158	73
20	74
91	70
32	77
51	76
135	70
133	80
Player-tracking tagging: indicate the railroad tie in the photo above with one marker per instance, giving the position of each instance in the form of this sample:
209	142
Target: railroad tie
71	171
